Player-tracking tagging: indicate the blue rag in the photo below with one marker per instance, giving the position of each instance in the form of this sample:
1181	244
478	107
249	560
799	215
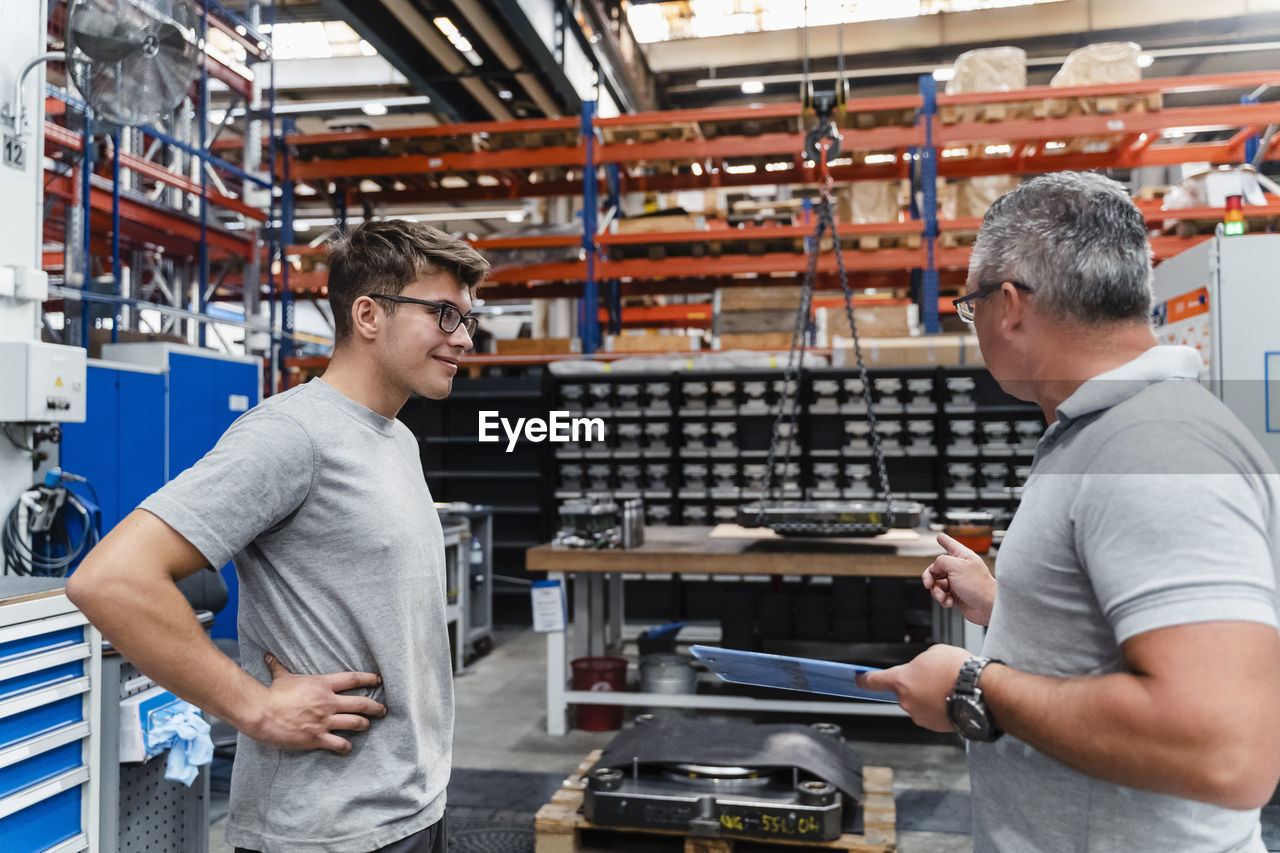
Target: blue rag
180	729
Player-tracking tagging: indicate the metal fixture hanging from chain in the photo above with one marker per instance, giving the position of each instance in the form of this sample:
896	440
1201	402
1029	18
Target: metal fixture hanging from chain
824	517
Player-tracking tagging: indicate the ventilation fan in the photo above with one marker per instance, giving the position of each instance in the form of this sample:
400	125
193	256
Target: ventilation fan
133	60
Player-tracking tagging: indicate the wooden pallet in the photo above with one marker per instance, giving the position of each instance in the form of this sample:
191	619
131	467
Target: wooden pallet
642	133
529	140
751	126
872	242
868	119
957	239
1050	108
559	826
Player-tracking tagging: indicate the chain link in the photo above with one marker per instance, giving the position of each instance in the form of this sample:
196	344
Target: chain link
877	452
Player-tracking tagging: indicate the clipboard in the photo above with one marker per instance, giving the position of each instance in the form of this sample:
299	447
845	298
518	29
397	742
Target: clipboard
806	675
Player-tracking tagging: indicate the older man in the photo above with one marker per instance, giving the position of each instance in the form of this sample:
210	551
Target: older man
1128	693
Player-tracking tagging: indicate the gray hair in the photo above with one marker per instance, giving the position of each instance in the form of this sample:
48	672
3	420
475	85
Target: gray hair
1076	240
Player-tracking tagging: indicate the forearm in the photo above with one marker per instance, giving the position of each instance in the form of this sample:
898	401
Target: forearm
1120	729
148	621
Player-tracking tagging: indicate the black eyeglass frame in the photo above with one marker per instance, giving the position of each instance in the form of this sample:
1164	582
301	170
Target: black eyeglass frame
964	304
469	321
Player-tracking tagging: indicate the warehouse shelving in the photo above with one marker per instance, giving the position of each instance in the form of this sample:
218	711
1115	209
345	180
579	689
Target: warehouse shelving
1024	131
185	222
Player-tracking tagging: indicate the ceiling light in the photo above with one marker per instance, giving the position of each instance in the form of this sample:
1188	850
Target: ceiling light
1054	146
745	169
955	152
942	75
301	225
778	167
457	39
998	149
505	94
876	159
1145	60
696	168
374	109
752	87
447	27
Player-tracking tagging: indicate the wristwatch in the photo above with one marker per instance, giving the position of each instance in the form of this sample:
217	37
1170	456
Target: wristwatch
968	712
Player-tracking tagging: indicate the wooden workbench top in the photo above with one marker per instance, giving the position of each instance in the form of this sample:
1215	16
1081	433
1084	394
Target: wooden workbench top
15	589
694	550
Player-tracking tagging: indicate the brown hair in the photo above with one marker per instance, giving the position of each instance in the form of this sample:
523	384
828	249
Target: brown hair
386	256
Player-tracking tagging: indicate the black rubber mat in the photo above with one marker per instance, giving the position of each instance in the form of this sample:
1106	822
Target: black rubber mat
491	839
512	790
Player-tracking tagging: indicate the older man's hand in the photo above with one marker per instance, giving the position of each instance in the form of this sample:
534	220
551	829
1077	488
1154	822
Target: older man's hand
922	685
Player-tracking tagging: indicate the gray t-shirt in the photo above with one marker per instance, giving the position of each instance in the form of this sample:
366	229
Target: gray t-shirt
339	553
1149	505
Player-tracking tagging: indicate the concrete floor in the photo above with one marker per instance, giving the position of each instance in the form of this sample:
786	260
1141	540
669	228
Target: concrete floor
501	725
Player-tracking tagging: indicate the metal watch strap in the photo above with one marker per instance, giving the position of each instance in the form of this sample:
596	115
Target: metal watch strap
967	680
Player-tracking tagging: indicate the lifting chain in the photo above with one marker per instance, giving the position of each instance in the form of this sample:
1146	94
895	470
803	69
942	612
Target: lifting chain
789	402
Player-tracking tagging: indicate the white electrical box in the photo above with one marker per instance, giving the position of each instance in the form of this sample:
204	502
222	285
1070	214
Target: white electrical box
1221	298
41	383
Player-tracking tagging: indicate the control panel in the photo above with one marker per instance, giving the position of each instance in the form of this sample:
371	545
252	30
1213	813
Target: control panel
41	382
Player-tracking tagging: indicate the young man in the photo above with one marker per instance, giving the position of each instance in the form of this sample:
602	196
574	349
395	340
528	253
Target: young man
345	701
1125	699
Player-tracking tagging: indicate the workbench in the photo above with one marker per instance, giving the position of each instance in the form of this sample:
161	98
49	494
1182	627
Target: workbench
595	624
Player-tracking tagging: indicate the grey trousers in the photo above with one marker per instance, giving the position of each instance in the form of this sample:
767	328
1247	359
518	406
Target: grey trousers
433	839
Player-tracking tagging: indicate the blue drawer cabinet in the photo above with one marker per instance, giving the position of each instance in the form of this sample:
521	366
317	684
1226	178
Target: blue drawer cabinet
50	658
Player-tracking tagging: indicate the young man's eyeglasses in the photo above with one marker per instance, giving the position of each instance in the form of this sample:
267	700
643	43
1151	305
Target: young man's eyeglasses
449	316
964	304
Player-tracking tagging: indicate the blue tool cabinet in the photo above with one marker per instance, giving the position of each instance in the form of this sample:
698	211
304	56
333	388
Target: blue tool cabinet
153	410
50	658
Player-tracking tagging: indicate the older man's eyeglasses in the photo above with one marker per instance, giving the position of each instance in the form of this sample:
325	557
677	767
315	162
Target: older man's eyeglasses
448	316
964	304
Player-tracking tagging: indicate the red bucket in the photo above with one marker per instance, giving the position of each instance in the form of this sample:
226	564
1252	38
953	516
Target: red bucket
600	674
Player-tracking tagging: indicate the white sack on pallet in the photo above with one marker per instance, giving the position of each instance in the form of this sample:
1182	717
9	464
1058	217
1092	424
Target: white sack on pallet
989	69
868	201
1105	62
974	195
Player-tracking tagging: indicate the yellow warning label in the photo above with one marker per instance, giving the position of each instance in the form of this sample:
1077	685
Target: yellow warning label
58	383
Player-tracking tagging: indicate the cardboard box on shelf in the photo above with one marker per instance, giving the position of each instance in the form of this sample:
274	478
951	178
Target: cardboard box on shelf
758	298
922	351
754	320
766	341
659	224
874	321
537	346
650	342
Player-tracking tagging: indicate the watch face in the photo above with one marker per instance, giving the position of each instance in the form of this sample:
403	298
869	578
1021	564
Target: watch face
968	718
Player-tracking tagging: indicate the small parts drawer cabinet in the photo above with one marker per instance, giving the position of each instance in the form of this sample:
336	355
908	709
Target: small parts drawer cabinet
49	664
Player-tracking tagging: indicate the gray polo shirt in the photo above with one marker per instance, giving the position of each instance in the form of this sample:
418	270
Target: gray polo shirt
1149	505
340	558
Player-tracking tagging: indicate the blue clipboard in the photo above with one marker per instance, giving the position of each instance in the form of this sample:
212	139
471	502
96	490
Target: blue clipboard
804	674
